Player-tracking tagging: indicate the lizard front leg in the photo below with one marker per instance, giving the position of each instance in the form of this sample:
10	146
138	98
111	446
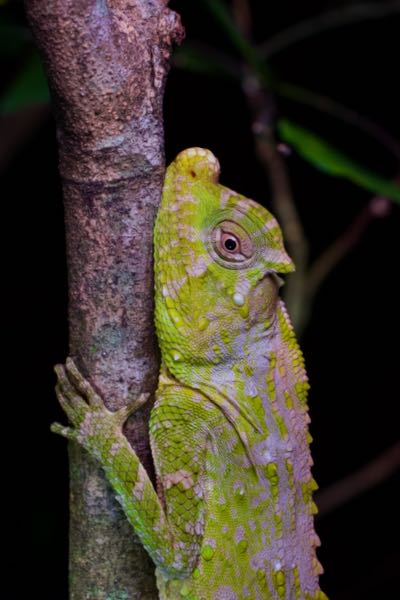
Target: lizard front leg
99	431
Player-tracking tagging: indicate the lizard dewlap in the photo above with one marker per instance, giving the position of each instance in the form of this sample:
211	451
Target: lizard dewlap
232	518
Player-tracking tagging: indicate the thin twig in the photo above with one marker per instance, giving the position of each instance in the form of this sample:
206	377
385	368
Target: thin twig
378	207
242	16
370	475
285	209
346	15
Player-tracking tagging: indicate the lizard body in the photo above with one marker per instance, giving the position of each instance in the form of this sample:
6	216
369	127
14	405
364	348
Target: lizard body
233	514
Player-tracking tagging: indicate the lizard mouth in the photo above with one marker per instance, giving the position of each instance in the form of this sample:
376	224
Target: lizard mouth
264	298
279	280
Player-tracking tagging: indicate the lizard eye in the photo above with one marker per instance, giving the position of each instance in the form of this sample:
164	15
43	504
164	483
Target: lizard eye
231	242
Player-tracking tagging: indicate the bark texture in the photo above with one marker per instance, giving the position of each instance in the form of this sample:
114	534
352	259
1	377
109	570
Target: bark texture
106	62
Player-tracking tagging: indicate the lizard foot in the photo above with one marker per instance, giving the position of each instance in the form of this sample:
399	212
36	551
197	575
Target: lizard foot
85	409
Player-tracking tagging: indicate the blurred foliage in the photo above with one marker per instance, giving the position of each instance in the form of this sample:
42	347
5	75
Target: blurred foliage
13	38
319	153
29	86
220	12
313	149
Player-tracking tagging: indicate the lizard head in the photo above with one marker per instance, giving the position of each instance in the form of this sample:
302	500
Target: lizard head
217	257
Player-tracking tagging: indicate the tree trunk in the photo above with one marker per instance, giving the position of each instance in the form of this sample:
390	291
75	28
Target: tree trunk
106	63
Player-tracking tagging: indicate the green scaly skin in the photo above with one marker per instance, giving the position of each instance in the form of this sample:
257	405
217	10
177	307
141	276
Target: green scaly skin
233	514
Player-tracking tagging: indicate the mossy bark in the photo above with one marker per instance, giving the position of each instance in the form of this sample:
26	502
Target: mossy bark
106	64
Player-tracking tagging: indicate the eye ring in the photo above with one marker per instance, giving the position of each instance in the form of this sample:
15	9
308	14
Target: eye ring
231	245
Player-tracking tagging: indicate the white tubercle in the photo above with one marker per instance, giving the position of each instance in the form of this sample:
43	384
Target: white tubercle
238	299
277	565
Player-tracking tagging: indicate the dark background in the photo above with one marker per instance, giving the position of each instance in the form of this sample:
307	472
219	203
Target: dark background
351	342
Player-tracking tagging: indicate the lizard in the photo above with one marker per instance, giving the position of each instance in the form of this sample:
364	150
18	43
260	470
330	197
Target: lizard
231	516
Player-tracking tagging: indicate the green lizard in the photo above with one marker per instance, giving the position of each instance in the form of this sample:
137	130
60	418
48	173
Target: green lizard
232	517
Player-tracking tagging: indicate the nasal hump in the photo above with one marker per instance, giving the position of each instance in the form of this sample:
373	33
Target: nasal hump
198	163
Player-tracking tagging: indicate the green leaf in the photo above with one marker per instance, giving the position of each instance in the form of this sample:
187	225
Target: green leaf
29	87
328	159
331	107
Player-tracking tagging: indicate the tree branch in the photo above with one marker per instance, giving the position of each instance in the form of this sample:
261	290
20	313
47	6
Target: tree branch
106	63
